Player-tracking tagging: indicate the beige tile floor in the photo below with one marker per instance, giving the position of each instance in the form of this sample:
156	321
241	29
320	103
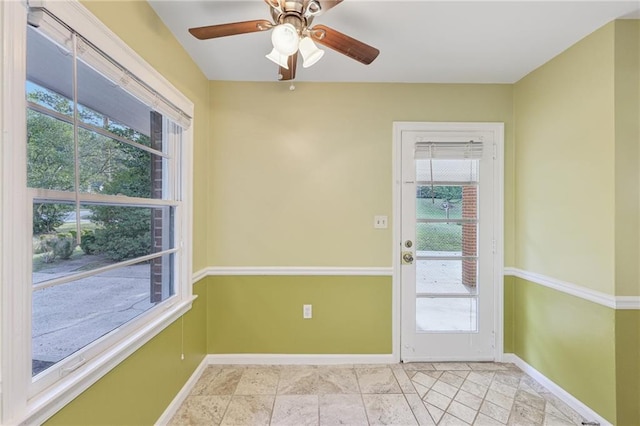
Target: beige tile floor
404	394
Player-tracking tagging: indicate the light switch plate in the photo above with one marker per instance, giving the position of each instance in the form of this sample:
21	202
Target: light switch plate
380	222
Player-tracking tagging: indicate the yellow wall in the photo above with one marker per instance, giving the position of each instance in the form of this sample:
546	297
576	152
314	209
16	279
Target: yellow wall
288	178
627	157
297	176
627	96
577	210
564	167
137	24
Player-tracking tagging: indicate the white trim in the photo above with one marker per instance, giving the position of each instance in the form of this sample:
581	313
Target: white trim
565	396
608	300
498	221
15	254
300	359
396	242
292	270
175	404
628	302
197	276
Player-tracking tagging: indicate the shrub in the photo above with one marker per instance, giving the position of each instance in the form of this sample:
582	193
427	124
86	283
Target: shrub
64	246
88	242
56	246
125	232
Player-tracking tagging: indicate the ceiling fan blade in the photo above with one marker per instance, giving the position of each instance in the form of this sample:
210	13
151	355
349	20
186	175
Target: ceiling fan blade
289	74
223	30
344	44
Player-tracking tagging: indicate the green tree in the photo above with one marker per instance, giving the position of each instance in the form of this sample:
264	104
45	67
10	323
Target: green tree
448	193
125	232
50	155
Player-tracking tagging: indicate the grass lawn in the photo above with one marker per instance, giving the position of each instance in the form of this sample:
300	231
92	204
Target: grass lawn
438	236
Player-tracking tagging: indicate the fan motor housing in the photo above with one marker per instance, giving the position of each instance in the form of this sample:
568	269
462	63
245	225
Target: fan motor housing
292	12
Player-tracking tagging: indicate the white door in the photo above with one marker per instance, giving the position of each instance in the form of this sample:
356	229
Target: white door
449	240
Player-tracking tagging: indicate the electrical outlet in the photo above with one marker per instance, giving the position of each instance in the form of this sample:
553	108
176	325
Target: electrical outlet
380	222
306	312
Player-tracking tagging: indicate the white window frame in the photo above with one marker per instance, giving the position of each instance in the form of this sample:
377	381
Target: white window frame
17	406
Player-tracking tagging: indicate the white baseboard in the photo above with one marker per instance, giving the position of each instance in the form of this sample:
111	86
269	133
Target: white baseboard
297	359
565	396
175	404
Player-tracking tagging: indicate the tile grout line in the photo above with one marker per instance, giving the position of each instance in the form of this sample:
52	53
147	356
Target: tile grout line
393	374
364	406
226	407
454	396
230	396
275	396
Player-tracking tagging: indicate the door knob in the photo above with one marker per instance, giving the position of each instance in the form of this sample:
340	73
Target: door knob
407	258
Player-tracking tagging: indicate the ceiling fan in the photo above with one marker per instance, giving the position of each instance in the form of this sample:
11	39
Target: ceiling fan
293	34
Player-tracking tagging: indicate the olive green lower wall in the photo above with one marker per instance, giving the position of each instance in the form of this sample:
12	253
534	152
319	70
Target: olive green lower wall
138	390
628	367
569	340
508	337
263	314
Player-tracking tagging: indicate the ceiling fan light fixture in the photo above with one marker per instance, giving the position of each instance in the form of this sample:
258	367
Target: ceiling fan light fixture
285	39
310	52
278	58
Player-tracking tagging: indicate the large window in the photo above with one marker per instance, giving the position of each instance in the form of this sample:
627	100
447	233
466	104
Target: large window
103	171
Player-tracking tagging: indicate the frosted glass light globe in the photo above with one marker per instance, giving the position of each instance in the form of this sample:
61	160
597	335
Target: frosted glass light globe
285	39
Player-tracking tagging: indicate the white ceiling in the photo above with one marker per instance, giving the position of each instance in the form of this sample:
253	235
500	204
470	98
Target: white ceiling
420	41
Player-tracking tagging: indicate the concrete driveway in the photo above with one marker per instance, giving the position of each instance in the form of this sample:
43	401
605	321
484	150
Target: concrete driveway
67	317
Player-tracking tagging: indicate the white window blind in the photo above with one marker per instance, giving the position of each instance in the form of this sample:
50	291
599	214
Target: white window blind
95	69
448	150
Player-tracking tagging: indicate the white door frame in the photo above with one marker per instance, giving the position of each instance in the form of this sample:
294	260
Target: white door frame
498	129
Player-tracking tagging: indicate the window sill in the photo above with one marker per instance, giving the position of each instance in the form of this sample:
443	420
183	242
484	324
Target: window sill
45	404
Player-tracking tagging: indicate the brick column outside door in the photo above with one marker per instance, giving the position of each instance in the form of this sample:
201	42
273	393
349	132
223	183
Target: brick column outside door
156	213
469	234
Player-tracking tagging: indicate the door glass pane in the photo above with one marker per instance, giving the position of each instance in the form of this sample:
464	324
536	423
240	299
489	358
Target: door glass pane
446	314
444	239
439	276
446	227
439	202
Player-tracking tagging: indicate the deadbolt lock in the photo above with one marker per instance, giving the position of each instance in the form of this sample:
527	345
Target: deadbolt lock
408	244
407	258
